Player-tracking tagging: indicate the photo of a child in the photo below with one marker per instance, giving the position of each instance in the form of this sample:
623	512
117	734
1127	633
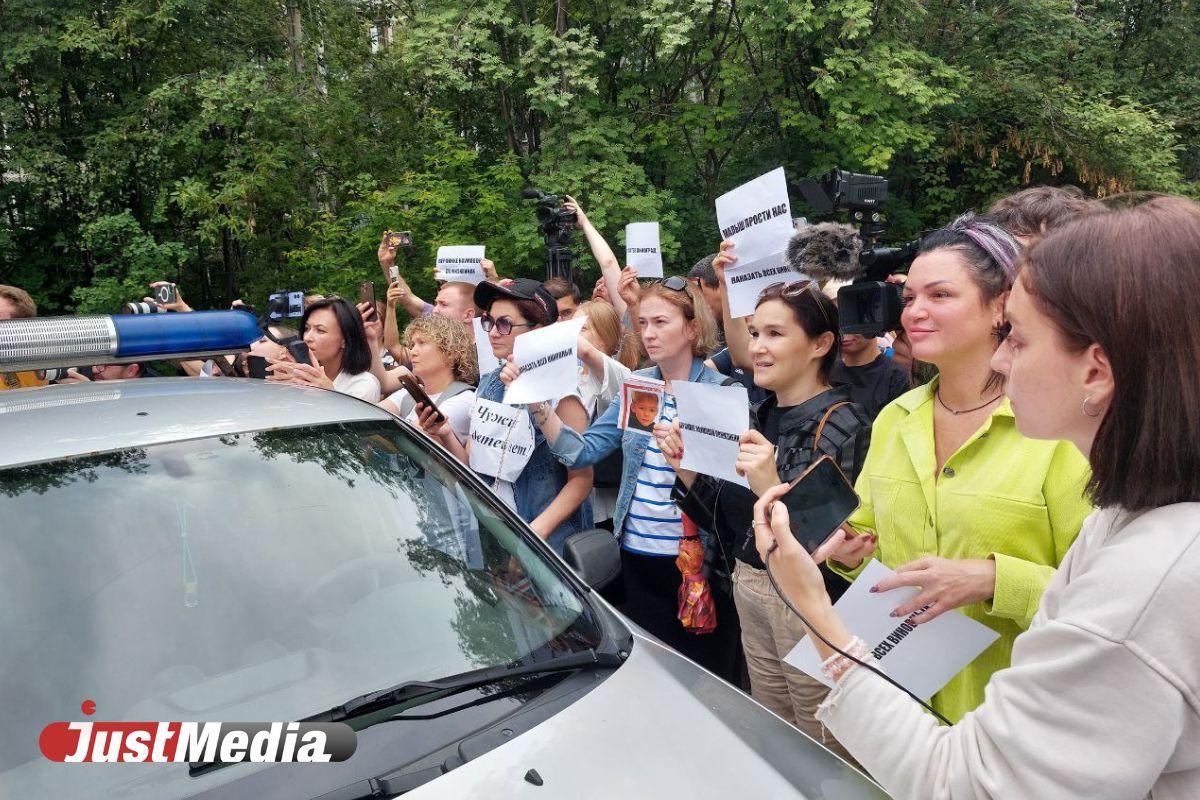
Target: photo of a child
643	407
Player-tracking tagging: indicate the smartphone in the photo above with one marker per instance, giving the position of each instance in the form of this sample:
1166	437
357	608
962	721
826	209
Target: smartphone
256	366
299	351
393	274
819	502
366	293
400	238
417	393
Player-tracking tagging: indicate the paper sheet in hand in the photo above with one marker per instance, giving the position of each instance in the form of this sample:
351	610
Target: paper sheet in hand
501	439
483	348
460	262
920	658
549	362
711	419
745	280
757	216
642	250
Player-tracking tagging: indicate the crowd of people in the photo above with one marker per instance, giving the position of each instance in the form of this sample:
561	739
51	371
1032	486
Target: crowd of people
1022	447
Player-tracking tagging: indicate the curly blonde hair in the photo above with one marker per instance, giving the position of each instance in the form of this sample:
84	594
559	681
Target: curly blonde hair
451	337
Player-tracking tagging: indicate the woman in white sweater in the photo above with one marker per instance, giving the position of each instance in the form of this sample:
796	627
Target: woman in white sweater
1102	700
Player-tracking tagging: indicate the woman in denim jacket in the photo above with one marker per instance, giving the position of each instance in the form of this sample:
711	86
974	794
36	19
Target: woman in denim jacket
552	498
677	331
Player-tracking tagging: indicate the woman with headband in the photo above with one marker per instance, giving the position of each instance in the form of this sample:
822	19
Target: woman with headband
953	498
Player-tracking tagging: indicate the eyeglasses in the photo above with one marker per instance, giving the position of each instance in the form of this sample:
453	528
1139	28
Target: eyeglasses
504	325
793	291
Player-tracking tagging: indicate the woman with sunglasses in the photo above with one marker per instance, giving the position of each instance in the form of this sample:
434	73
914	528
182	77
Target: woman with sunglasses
953	497
678	332
793	347
1100	699
550	497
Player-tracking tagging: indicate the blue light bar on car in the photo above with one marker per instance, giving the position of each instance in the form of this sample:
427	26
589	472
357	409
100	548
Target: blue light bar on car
48	342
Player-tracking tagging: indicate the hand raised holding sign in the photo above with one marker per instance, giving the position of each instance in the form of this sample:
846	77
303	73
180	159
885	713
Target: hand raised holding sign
629	288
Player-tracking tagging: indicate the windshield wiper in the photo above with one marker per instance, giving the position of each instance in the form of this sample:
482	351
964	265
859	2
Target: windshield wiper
444	687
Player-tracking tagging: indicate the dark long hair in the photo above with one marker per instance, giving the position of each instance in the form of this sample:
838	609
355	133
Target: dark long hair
1127	281
356	357
814	312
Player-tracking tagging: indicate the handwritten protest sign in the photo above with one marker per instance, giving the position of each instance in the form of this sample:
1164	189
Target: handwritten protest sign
483	348
642	250
548	358
921	658
460	262
745	280
711	420
501	439
757	216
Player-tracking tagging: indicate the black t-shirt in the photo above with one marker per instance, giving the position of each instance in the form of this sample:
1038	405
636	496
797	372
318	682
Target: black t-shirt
874	385
724	364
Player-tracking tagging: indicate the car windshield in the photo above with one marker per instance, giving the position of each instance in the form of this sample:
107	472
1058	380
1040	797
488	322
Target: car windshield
262	576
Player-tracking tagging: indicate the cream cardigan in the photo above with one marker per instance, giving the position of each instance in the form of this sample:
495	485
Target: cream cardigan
1101	701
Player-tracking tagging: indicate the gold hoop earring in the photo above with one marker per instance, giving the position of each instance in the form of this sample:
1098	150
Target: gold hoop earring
1084	407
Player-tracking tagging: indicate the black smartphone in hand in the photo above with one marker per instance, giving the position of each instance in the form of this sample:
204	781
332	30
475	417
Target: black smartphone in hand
819	501
366	293
417	392
299	351
256	367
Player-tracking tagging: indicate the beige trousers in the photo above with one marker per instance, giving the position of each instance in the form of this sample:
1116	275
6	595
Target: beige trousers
769	632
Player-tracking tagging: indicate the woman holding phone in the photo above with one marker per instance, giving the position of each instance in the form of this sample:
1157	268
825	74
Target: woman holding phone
793	347
678	332
551	498
442	354
954	498
339	353
1100	698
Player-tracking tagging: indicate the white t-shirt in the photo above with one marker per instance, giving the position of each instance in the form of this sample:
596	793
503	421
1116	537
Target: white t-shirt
364	386
457	410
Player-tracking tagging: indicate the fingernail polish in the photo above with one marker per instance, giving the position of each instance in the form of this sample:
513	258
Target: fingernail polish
874	589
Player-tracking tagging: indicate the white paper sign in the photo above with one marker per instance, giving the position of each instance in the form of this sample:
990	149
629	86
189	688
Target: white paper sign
921	658
501	439
745	280
711	419
757	216
642	249
460	262
483	348
548	358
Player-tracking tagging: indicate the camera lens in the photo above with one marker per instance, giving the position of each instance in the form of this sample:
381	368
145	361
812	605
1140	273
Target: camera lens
140	308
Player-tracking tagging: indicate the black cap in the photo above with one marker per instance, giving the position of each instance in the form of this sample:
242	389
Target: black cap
487	293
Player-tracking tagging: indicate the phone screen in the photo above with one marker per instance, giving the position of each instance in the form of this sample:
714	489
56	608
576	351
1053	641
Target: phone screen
366	293
819	501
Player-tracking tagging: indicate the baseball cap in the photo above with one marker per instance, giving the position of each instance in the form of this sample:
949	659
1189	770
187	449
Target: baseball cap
487	293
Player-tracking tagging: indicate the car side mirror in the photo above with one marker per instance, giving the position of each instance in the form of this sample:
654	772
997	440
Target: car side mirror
595	556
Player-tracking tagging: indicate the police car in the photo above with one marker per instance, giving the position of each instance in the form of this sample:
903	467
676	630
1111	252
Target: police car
233	550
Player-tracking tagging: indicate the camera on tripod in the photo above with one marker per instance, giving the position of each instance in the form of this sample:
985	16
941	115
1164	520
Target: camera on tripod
557	226
870	305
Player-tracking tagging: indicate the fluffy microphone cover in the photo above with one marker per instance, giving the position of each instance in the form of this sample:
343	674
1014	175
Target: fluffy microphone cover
827	250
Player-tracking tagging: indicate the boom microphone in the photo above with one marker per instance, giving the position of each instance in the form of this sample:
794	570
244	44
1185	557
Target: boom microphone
826	251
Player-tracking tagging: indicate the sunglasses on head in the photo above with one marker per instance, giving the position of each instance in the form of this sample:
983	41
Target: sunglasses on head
793	291
674	283
504	325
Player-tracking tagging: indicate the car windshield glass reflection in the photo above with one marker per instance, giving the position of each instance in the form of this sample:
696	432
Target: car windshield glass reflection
253	577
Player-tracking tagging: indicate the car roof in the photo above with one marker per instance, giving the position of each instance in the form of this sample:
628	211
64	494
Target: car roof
43	424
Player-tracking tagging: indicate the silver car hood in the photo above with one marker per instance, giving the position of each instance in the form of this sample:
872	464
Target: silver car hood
660	726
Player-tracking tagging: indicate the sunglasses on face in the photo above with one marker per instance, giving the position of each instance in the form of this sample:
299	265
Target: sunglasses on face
504	325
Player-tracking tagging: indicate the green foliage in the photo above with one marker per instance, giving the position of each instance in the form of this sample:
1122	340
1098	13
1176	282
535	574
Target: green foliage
244	146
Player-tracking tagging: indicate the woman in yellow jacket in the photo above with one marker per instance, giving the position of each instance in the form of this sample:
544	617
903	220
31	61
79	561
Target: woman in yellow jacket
953	497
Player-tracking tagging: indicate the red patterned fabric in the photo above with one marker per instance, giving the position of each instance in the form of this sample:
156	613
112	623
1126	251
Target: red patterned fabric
697	612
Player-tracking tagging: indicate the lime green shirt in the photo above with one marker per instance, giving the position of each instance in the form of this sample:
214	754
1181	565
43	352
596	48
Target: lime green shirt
1002	496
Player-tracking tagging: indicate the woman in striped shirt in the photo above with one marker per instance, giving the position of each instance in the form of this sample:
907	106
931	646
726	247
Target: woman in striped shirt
677	331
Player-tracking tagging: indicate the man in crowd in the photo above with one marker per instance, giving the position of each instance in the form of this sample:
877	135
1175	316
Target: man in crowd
1030	213
566	295
873	379
705	278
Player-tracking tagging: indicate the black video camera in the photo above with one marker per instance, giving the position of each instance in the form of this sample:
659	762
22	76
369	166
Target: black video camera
555	223
870	305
